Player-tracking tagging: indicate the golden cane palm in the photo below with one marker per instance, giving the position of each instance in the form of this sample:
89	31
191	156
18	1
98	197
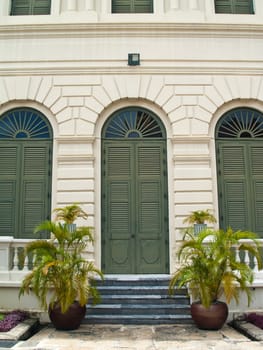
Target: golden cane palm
60	274
210	268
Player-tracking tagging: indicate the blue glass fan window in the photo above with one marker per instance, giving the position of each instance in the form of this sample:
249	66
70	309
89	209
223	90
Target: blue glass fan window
24	123
241	123
134	123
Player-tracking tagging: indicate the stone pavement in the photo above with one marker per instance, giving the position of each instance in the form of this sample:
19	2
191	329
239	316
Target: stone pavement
131	337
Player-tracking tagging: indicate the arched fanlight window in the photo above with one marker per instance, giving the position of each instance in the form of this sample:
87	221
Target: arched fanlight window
24	123
133	122
240	123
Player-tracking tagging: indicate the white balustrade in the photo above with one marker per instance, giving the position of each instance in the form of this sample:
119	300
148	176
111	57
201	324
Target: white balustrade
247	258
12	261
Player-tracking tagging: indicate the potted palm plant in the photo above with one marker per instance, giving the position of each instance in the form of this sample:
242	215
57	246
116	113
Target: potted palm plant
69	214
61	277
199	219
210	269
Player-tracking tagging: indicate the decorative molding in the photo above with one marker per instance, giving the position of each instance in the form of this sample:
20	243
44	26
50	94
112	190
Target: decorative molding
193	67
190	139
74	139
193	159
73	159
153	30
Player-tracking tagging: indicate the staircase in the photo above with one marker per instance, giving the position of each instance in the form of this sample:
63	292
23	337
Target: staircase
135	299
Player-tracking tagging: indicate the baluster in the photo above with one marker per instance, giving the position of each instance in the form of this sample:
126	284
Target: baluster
26	263
247	259
16	260
237	254
255	263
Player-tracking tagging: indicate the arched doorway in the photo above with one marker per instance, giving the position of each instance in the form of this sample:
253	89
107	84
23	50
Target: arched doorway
134	194
239	151
25	171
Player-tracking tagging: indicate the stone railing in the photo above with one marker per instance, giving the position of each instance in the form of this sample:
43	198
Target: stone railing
251	261
15	264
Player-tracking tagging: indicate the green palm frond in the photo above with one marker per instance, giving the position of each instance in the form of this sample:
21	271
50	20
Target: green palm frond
70	213
210	268
60	273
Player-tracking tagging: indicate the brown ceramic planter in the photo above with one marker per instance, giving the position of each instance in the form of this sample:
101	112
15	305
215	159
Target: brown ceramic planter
212	318
69	320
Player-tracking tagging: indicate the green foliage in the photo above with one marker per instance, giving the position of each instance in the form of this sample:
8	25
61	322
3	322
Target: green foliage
200	217
2	316
70	213
209	267
60	273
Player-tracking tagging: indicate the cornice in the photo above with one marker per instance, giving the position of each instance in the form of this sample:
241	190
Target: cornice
120	67
63	30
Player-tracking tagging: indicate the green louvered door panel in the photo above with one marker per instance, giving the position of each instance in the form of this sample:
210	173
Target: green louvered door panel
151	205
134	208
9	191
35	183
30	7
24	187
234	6
240	186
132	6
255	157
117	210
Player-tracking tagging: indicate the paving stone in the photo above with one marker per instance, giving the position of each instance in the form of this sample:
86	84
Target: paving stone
135	337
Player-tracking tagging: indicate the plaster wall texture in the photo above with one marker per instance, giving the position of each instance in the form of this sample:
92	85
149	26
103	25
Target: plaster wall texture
192	70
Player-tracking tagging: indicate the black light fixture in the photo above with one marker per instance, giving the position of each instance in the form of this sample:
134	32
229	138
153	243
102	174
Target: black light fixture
133	59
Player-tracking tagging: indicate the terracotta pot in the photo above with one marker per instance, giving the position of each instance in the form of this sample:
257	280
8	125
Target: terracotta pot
212	318
69	320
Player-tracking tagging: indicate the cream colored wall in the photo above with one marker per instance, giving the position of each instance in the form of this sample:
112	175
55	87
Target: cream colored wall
77	74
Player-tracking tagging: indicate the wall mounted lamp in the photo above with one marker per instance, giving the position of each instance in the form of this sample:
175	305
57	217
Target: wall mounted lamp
133	59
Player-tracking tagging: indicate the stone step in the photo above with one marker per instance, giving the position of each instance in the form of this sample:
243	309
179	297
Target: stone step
132	280
138	300
122	290
139	309
138	319
143	299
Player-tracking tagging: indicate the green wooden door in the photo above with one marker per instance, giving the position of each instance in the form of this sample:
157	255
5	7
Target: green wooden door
240	171
25	173
134	206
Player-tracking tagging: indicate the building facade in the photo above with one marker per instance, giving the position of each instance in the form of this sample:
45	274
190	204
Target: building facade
141	111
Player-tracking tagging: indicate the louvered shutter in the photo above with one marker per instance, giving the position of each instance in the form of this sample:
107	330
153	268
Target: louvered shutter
151	208
35	182
135	223
233	194
234	6
30	7
256	176
24	183
132	6
143	6
117	209
9	156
